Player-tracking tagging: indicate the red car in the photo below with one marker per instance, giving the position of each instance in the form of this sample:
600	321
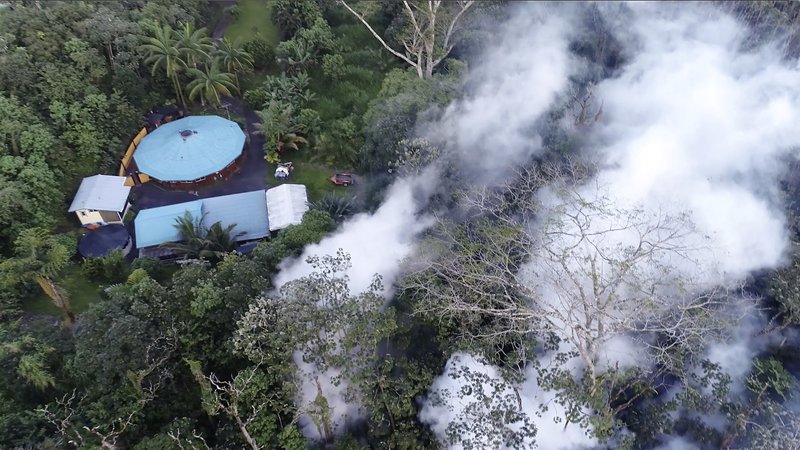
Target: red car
342	179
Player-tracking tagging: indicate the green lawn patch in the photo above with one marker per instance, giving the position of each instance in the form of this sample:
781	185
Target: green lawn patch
315	177
253	20
82	293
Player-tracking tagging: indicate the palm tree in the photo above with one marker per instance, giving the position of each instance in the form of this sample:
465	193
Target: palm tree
278	125
233	57
162	51
194	45
203	243
40	257
339	207
291	141
209	84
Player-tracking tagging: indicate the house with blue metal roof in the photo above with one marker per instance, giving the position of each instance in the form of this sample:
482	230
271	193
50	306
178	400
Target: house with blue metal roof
156	226
251	212
248	210
190	151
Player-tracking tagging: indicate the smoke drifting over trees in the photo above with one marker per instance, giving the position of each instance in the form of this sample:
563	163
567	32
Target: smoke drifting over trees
622	272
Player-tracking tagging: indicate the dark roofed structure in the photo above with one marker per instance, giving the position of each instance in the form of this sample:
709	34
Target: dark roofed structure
102	241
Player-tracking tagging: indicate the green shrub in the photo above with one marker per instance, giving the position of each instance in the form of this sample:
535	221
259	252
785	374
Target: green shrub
111	268
152	266
333	66
256	98
293	15
137	276
262	52
314	226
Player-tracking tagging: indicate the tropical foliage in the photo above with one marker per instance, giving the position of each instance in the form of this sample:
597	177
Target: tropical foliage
201	242
211	68
263	348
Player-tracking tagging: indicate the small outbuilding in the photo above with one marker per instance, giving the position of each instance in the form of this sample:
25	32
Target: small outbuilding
101	200
102	241
286	204
159	115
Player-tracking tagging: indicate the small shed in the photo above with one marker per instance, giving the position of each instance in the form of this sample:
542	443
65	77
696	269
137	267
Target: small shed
101	200
286	204
102	241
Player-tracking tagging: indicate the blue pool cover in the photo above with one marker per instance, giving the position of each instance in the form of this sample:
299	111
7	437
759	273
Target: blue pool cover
101	241
189	148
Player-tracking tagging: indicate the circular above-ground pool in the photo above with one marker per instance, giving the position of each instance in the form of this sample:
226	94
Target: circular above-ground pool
190	150
102	241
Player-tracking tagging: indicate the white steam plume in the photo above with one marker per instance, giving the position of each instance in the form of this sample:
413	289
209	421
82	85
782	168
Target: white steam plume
376	244
693	124
493	128
690	124
493	132
449	412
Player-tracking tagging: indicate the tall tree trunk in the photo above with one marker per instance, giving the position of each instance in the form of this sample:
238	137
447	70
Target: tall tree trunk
59	299
110	53
178	91
243	428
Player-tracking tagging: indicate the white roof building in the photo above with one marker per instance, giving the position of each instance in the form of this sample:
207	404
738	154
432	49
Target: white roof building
101	193
286	205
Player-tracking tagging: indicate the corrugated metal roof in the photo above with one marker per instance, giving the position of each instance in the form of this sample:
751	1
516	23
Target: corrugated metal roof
156	226
286	205
189	148
248	210
102	193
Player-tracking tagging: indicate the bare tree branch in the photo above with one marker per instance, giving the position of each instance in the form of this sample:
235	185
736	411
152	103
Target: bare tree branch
430	37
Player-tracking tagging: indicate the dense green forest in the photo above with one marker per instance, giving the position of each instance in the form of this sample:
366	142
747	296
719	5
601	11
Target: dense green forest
574	227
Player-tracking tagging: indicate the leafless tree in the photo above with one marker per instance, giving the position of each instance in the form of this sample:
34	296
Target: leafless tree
195	441
574	264
430	35
779	428
229	397
66	415
582	104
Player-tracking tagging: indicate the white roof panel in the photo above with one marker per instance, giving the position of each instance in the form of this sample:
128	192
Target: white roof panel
286	205
102	193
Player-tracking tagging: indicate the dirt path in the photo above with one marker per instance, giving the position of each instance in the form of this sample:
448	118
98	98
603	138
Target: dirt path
224	21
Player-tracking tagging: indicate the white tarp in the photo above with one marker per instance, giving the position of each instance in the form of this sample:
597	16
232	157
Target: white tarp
286	205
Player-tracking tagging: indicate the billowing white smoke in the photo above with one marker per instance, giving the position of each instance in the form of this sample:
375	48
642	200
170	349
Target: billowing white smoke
488	128
493	129
690	124
339	409
694	125
376	244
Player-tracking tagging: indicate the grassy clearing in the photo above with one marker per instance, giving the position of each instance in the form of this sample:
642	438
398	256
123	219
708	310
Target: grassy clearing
254	19
82	293
315	177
